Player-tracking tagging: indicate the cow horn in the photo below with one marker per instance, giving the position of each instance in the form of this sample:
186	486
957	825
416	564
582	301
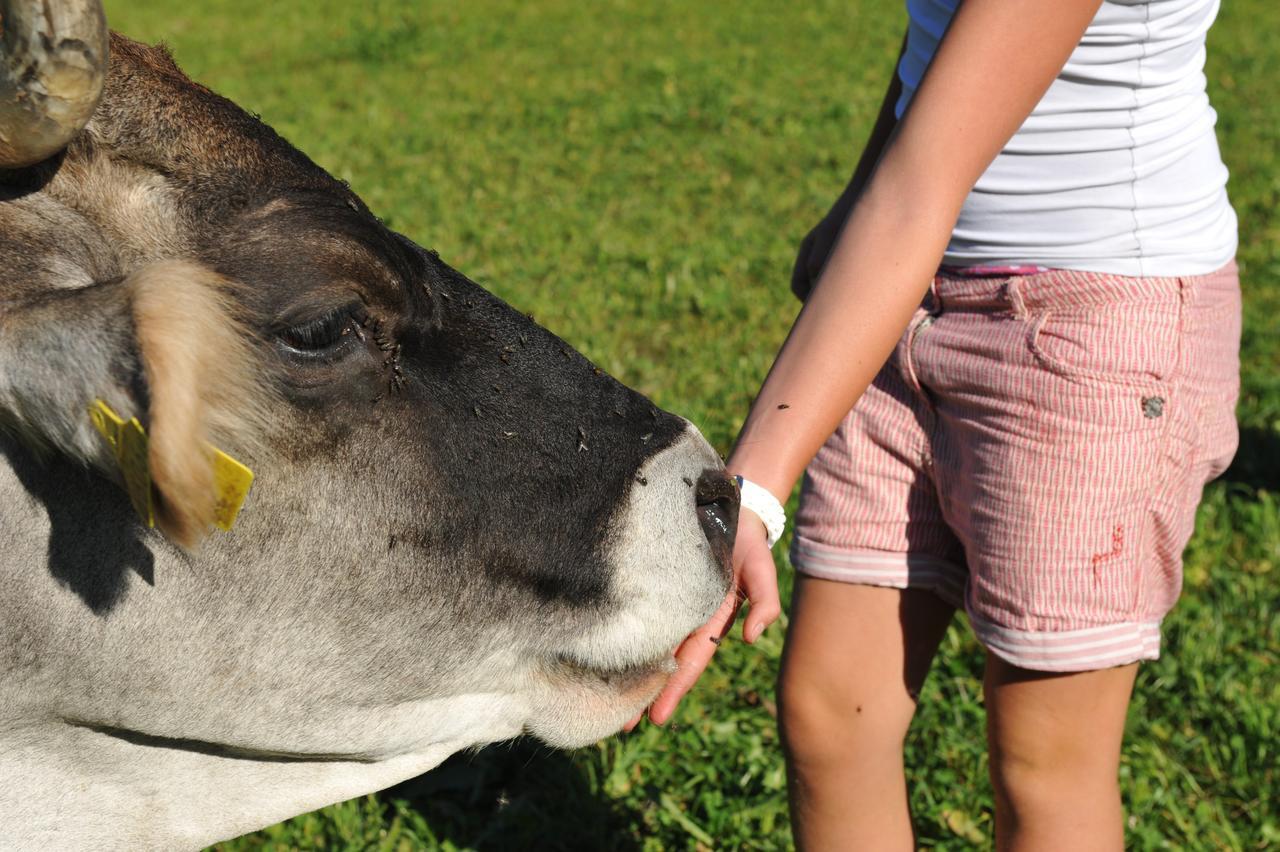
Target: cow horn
53	61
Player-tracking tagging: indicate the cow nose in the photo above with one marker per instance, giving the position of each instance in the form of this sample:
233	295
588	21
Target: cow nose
716	495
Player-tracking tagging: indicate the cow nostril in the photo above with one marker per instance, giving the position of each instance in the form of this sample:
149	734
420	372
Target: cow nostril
716	495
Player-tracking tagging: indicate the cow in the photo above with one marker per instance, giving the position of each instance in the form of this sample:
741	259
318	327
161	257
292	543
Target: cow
459	530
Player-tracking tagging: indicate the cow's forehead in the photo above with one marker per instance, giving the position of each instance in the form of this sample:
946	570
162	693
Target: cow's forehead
232	191
217	150
312	249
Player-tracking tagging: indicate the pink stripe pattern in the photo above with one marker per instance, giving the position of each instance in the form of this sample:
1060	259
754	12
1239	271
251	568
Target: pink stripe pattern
1034	452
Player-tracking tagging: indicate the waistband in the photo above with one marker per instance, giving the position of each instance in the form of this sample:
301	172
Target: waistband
1065	288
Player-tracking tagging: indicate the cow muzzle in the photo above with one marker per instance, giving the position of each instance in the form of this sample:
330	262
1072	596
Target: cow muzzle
671	562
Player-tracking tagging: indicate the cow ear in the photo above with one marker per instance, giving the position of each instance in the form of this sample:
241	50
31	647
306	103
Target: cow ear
204	385
162	345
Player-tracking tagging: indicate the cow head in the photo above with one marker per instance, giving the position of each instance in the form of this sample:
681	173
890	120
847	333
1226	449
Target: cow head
461	530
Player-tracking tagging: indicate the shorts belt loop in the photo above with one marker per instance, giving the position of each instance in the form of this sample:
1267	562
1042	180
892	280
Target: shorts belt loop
1013	294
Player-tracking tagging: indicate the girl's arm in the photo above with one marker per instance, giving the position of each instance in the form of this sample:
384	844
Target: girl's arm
994	64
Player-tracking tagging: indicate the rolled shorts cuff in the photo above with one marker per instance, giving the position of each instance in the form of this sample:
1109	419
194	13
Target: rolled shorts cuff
891	570
1080	650
1083	650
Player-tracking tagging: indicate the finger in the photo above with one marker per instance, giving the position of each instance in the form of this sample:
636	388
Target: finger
759	579
692	658
635	720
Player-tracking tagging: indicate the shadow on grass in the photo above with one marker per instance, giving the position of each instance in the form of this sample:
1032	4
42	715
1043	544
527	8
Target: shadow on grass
518	795
1257	462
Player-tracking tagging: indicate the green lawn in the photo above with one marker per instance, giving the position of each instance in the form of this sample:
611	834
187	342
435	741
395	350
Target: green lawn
637	174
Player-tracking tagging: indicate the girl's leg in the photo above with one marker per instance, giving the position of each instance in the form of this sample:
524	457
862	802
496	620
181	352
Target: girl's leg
855	659
1055	756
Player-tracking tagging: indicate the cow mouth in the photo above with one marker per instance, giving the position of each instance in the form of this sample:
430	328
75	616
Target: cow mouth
622	678
589	701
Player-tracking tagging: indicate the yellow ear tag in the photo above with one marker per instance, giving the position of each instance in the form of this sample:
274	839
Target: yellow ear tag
107	422
129	440
231	479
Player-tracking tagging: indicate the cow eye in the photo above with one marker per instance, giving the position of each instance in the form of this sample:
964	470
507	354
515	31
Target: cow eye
322	333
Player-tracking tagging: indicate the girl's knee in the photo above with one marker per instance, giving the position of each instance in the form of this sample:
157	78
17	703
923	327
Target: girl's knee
1031	768
823	723
1036	783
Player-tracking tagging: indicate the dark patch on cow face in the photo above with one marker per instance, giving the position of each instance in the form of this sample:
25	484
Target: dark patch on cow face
538	445
517	449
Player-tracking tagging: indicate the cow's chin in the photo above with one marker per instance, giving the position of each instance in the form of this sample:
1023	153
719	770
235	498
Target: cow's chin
586	704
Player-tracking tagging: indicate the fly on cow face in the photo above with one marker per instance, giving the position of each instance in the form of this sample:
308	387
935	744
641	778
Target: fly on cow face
555	536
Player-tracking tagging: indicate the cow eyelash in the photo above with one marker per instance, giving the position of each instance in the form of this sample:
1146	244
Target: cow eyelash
323	332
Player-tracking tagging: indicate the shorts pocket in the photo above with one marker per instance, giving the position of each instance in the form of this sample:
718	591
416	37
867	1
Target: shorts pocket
1127	343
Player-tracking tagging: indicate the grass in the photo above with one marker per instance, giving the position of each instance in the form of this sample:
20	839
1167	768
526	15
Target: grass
638	175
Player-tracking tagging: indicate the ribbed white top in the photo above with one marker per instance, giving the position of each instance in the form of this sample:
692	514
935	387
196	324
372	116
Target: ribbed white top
1117	169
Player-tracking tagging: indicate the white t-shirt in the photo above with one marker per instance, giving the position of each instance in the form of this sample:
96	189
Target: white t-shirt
1117	168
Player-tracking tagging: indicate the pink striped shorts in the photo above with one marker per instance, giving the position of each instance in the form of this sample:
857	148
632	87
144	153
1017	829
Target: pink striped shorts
1034	452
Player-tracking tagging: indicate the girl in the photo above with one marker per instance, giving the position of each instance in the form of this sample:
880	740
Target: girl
1042	208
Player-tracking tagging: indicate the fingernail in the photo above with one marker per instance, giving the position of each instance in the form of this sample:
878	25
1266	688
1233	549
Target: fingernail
754	633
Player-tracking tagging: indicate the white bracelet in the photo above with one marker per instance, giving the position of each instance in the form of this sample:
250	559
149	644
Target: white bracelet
765	506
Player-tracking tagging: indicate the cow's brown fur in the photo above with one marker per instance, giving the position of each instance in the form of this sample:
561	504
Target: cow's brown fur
162	161
211	150
134	208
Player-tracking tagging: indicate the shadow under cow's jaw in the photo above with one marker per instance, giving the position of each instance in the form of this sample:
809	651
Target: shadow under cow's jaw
517	795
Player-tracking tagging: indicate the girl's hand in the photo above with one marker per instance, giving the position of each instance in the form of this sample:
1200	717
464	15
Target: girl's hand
753	575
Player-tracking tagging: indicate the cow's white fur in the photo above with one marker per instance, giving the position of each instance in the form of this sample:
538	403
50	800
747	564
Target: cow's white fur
67	787
84	763
653	580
